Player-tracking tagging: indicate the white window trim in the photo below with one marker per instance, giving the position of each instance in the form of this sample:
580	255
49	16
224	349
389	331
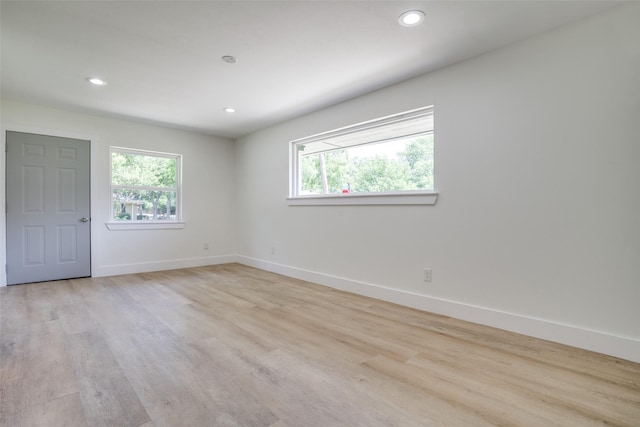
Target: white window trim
146	225
408	197
396	198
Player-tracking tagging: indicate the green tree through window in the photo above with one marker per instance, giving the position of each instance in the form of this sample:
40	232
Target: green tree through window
144	185
402	165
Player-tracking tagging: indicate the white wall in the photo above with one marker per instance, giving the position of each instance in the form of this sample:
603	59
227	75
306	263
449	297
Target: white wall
537	228
208	199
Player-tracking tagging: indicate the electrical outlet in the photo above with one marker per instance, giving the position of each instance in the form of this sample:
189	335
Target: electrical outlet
427	275
205	246
273	250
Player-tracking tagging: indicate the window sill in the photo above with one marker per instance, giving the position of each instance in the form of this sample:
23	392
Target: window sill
145	225
409	198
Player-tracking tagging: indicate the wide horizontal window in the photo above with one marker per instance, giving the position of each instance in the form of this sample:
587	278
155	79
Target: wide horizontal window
145	186
391	155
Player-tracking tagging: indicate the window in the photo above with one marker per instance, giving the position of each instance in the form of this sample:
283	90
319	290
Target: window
390	156
145	186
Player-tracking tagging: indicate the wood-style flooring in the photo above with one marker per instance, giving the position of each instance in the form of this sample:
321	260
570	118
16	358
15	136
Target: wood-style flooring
231	345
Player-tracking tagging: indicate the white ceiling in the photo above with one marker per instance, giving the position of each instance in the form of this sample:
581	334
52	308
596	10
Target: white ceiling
162	60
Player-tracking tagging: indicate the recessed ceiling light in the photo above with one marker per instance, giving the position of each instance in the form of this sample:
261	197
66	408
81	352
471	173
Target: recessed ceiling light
229	110
411	18
96	81
229	59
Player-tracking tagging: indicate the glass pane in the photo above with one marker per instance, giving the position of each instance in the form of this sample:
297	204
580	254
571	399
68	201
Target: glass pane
137	205
399	165
140	170
381	130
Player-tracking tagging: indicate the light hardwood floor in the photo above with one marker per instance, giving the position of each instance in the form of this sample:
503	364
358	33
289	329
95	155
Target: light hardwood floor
230	345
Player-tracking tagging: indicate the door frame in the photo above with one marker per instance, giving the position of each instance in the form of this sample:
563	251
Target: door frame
4	127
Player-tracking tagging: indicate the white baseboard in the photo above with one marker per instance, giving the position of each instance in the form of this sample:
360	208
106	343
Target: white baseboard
600	342
145	267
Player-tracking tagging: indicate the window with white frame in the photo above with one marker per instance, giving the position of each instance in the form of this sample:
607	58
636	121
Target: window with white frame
393	155
145	186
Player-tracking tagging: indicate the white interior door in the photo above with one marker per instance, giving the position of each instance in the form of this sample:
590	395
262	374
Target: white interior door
48	210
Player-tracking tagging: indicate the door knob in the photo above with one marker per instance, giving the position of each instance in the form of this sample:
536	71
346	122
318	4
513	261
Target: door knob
84	219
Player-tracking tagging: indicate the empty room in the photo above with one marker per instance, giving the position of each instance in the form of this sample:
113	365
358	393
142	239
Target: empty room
320	213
